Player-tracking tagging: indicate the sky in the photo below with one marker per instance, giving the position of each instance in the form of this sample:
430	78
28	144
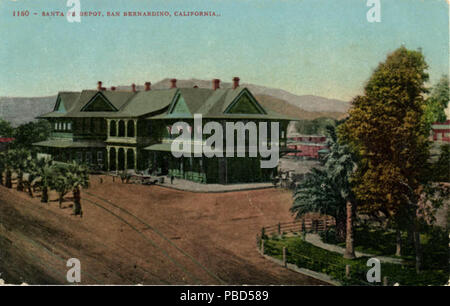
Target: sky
319	47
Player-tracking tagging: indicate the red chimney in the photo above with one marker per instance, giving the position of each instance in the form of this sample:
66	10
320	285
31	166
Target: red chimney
99	85
133	87
174	83
147	86
113	88
216	84
235	82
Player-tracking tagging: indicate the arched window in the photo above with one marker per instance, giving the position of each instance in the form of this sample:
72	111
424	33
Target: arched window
112	159
121	129
121	159
130	128
112	128
130	159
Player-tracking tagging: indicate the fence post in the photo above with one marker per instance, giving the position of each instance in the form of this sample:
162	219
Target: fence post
347	271
303	229
284	257
385	281
262	246
279	228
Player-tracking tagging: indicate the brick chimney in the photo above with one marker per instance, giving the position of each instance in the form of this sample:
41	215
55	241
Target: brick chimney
174	83
113	88
133	87
216	84
99	85
235	82
148	86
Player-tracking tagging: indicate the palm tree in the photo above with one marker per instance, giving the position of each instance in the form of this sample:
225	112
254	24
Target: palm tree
60	181
7	159
2	167
29	174
328	190
316	193
44	175
19	159
340	165
78	178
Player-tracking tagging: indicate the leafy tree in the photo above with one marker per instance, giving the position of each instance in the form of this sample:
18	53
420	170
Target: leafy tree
316	126
387	128
441	169
438	102
328	190
6	129
27	134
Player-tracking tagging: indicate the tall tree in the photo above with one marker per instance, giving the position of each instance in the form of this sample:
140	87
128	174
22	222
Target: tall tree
45	174
438	102
388	129
27	134
6	129
2	167
329	191
78	178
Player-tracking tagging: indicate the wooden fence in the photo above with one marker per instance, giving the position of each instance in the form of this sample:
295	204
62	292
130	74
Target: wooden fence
300	225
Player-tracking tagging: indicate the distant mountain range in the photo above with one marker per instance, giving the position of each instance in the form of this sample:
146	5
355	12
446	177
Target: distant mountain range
20	110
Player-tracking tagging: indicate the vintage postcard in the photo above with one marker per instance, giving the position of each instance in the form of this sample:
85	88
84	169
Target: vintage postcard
224	142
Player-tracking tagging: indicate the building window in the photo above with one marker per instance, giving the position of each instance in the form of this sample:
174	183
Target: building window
56	126
79	156
112	128
121	128
88	158
130	128
69	126
100	157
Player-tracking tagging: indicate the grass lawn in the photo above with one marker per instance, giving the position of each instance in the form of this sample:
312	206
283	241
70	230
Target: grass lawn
306	255
434	242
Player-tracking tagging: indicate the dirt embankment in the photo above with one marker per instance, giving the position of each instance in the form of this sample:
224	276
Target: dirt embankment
142	234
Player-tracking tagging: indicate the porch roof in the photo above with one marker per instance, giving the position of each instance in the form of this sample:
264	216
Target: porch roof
60	143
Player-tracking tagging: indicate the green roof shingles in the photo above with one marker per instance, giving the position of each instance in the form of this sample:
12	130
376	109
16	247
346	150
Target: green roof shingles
210	103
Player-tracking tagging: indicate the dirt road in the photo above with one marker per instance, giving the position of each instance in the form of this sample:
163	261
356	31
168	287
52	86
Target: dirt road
133	234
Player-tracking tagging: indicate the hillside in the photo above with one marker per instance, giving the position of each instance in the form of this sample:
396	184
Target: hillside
283	107
18	110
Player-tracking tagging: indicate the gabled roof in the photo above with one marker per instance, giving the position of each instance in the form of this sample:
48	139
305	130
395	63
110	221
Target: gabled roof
215	103
146	102
116	98
125	104
68	99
